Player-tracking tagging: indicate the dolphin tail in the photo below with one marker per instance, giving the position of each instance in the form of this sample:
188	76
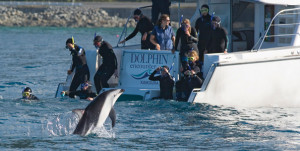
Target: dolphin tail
112	115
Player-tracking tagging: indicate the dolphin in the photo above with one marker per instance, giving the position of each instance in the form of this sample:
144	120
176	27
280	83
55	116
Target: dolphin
95	114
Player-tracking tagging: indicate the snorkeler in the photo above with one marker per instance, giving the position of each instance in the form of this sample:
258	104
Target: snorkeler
27	94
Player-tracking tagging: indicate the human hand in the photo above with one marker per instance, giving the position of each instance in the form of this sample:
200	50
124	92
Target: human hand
157	47
90	99
144	36
69	72
122	41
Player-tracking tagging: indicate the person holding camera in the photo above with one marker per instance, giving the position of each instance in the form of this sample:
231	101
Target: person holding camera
190	79
187	36
166	82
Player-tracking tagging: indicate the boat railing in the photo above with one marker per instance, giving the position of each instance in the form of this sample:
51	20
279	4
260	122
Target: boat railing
261	40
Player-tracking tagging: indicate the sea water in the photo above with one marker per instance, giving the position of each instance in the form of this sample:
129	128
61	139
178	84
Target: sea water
36	57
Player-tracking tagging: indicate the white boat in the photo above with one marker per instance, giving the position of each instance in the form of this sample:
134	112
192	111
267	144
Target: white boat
267	75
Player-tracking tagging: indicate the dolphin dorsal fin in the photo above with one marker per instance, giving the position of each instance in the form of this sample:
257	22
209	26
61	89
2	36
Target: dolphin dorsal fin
112	115
79	112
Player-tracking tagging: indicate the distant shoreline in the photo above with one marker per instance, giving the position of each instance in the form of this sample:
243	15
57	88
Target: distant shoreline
83	14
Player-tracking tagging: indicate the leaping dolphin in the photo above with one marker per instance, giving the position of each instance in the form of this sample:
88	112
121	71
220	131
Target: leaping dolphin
97	111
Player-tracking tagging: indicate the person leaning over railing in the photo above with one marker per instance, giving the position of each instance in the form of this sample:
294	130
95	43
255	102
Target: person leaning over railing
144	26
163	36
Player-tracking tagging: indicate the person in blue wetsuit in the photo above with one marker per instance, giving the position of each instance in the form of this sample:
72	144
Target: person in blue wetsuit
166	82
144	26
162	35
84	93
79	63
109	65
27	94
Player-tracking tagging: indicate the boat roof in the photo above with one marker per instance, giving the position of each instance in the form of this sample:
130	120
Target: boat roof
275	2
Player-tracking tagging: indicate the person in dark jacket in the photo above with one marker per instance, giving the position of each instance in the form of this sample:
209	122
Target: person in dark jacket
79	63
144	26
109	65
187	36
27	94
166	82
191	78
160	6
203	27
84	93
217	42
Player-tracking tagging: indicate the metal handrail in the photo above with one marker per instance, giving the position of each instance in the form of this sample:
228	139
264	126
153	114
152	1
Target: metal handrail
124	32
261	39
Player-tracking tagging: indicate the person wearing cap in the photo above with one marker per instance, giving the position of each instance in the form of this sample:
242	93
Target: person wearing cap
160	7
79	63
109	65
84	93
203	27
166	82
217	42
162	35
27	94
144	26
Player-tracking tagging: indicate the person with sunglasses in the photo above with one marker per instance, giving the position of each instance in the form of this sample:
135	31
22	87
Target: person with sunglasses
218	40
84	93
144	26
162	35
79	63
203	27
190	78
27	94
109	65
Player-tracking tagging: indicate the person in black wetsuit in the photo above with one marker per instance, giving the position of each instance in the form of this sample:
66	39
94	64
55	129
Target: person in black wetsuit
109	65
187	36
166	82
144	26
27	94
217	42
159	6
82	72
191	78
203	27
84	93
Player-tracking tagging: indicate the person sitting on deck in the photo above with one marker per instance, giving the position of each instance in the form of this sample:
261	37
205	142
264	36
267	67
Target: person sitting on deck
166	82
84	93
144	26
190	79
27	94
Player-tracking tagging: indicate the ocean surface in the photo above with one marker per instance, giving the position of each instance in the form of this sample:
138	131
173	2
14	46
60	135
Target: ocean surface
36	57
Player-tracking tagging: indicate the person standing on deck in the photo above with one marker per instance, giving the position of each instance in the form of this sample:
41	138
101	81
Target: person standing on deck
163	36
109	65
160	6
79	63
217	42
144	26
203	27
